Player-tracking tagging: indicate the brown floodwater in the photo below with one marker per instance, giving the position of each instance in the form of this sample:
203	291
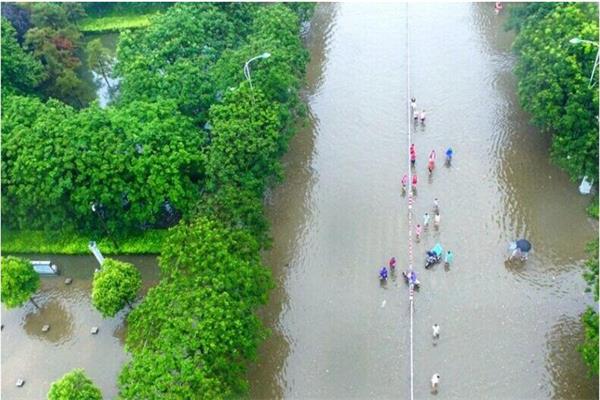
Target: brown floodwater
39	357
507	331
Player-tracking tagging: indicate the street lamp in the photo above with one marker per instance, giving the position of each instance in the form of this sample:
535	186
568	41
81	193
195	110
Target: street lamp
579	41
247	66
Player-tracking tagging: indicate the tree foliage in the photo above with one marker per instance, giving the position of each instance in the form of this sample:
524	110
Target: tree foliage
554	87
54	40
194	332
520	13
19	281
57	161
554	81
74	385
589	349
114	286
186	131
18	18
21	73
172	58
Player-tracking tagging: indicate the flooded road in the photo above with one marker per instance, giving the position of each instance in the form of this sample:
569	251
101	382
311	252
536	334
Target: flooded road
41	358
507	331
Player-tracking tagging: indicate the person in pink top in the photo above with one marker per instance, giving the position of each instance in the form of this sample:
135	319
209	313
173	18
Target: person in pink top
431	163
392	263
414	181
413	154
418	232
404	182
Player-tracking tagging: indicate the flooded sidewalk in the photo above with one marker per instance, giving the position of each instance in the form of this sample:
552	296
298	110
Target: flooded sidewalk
40	357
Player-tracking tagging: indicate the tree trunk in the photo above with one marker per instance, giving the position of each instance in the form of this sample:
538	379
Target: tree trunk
105	77
34	303
79	101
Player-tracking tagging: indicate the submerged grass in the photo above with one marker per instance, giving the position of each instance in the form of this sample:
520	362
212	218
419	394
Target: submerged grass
26	241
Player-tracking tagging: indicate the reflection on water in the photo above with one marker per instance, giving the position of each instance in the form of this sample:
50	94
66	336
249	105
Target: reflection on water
564	365
95	83
52	312
42	357
291	202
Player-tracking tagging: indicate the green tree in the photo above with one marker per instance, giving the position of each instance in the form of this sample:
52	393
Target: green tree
275	30
19	281
114	286
74	11
553	82
74	385
99	59
246	140
21	73
520	13
48	15
203	340
172	58
54	41
56	162
36	162
193	334
589	348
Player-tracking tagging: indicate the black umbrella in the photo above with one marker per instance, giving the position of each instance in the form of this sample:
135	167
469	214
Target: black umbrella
523	245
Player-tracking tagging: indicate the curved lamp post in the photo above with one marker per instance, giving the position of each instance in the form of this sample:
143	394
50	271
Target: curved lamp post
247	66
579	41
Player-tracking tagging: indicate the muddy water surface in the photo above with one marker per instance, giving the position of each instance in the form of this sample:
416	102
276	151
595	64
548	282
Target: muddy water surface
39	357
508	331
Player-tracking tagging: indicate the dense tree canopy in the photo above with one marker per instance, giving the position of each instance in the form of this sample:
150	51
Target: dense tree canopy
57	161
54	40
192	334
74	385
172	58
186	135
114	286
554	81
21	73
18	18
19	281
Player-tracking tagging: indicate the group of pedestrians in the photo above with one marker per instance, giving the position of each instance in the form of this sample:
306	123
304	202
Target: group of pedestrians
437	251
418	116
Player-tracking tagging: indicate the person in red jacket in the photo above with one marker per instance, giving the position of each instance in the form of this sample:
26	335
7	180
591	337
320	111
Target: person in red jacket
392	263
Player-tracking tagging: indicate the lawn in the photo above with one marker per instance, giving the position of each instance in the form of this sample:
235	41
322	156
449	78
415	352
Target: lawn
149	242
115	23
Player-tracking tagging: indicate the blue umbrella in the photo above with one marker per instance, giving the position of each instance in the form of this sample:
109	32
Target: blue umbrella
523	245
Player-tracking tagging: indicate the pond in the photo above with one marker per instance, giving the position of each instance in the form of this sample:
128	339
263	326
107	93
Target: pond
95	85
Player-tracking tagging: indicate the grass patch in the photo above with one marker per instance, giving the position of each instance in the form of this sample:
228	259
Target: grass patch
115	23
592	209
149	242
